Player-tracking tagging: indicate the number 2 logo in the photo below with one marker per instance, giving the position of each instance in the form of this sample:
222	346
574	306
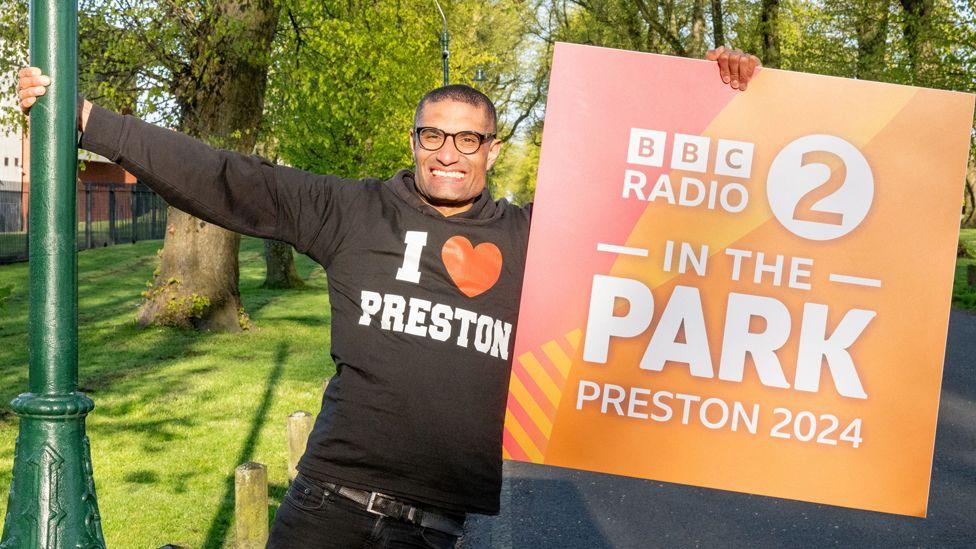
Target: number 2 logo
820	187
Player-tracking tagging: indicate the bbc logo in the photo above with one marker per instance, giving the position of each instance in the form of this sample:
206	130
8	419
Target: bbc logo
690	153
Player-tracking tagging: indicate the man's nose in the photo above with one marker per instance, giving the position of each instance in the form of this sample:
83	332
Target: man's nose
448	154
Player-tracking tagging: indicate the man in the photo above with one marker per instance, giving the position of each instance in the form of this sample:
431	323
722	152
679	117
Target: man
425	273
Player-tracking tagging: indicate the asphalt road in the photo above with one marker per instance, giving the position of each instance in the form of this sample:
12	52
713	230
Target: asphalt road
548	507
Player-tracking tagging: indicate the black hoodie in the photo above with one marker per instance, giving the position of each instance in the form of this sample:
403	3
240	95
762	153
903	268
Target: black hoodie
423	307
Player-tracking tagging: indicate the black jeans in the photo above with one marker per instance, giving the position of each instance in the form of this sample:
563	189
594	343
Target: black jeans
310	517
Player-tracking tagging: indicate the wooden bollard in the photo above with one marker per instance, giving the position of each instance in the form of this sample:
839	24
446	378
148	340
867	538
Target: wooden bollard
251	505
299	427
971	276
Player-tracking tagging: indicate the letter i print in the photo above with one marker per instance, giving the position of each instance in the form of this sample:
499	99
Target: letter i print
410	270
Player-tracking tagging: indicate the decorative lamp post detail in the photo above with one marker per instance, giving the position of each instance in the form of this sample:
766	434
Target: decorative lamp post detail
445	43
52	495
479	77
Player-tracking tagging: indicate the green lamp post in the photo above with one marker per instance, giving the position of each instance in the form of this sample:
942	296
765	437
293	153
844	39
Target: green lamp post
445	43
52	496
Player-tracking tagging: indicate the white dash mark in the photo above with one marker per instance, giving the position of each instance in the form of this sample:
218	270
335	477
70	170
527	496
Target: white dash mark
614	249
859	281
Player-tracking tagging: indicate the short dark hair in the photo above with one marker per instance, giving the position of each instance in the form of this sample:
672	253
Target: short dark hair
458	92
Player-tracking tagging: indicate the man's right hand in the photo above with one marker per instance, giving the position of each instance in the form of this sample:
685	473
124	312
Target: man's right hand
31	84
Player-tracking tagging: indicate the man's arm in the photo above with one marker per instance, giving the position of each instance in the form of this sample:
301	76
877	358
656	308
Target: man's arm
245	194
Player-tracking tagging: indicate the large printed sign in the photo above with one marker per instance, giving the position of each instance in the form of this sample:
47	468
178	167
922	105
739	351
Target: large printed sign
740	290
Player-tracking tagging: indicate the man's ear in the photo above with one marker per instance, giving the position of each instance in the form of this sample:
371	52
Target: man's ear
413	148
493	150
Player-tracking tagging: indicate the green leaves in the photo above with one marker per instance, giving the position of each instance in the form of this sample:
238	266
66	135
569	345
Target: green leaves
343	86
13	56
347	76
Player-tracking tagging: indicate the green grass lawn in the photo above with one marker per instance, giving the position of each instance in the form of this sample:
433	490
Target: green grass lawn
962	295
176	411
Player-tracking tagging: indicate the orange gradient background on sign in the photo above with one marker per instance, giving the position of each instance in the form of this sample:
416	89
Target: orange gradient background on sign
916	143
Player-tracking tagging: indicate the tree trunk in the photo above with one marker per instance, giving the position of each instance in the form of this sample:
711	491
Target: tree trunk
769	30
718	25
196	285
697	46
916	32
220	94
280	263
872	30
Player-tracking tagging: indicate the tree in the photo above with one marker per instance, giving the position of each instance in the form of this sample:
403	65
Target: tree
697	46
917	31
200	67
769	31
348	74
217	60
718	25
280	263
871	31
13	56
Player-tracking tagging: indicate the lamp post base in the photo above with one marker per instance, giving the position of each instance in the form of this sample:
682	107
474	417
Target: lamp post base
52	500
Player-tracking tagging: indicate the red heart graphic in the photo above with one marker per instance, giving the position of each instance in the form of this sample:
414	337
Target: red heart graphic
474	269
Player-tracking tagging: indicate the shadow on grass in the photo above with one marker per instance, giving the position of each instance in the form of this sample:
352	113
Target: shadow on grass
108	363
276	493
222	520
312	321
259	297
108	293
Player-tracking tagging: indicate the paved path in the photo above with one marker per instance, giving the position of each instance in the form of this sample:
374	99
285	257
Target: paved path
547	507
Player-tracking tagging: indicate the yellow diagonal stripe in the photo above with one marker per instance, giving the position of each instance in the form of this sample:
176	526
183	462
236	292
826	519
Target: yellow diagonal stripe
505	454
541	378
523	397
574	338
522	438
558	358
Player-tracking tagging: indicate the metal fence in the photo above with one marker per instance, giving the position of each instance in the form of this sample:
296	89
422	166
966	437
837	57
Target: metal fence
107	214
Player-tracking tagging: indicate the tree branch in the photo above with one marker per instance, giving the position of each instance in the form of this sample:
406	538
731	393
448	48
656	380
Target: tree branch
657	26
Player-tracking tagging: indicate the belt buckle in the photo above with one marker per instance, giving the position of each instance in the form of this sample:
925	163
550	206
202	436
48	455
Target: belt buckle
372	500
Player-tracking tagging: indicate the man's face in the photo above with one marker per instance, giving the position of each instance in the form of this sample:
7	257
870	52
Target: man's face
446	178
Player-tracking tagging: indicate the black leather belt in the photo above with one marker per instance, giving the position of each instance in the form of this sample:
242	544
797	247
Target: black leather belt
388	506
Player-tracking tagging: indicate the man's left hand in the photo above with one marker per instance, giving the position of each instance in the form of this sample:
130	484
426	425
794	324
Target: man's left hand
736	66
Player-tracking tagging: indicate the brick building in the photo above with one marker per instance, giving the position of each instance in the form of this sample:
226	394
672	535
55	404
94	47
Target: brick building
93	171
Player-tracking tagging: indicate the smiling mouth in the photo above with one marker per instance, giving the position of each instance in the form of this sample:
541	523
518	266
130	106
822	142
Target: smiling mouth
447	173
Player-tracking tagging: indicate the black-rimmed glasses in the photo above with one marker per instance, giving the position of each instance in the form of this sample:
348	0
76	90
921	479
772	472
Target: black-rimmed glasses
468	142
